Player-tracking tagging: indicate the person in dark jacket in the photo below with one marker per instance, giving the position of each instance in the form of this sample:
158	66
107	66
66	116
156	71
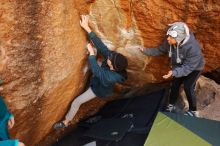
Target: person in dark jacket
187	63
112	71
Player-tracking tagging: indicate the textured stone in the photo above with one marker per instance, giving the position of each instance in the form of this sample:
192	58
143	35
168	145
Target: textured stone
123	25
208	99
46	64
43	73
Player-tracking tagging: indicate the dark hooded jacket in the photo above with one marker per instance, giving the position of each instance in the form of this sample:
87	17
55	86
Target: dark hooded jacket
103	79
189	52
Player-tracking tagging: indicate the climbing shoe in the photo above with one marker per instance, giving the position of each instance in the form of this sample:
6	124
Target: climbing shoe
170	108
59	125
192	113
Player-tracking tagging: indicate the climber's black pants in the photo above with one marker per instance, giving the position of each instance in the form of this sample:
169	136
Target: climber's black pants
189	86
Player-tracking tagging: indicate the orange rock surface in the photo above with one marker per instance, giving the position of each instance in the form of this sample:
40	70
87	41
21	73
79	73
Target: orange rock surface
47	63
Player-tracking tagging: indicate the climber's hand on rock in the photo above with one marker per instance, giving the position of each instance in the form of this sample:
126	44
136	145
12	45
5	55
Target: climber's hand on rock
3	58
21	144
84	23
170	73
90	49
11	123
141	48
1	82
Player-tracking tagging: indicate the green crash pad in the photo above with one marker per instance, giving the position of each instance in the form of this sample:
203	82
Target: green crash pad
171	129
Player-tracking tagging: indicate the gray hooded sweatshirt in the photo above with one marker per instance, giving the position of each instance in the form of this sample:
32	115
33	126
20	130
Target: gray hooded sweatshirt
189	52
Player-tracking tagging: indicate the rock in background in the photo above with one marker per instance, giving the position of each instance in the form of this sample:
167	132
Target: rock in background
208	99
47	62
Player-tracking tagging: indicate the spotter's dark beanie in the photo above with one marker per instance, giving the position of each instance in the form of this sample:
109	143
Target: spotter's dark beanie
119	61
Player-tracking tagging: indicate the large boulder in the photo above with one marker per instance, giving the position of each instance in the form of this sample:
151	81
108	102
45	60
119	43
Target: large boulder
47	63
124	25
207	97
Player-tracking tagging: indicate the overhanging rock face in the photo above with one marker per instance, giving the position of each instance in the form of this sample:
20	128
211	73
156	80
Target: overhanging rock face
47	62
125	24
